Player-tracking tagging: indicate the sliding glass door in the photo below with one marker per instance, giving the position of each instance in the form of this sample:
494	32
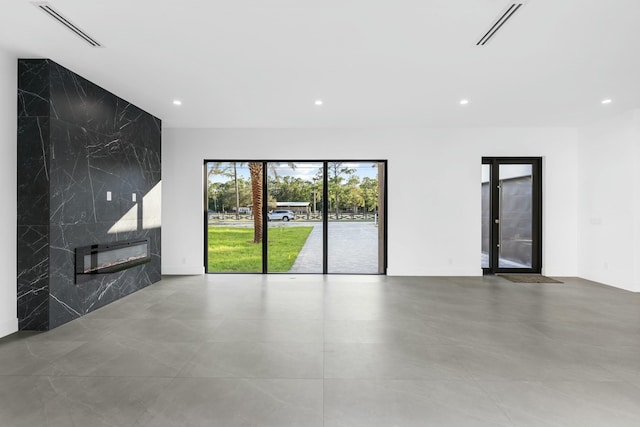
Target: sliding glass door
295	226
355	235
233	228
295	217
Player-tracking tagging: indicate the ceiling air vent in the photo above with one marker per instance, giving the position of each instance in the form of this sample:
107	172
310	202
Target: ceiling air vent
46	7
511	10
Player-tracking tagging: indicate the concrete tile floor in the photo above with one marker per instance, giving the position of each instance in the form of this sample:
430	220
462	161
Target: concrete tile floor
334	351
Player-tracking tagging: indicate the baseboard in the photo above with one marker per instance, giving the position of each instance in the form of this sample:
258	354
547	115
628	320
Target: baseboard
182	270
435	273
7	327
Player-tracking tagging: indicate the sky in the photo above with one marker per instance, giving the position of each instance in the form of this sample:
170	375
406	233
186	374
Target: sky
305	170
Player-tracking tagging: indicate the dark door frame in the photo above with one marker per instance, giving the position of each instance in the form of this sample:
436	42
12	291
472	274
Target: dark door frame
536	206
325	212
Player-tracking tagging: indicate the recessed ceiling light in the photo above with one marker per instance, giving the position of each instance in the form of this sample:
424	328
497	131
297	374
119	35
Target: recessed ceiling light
177	102
606	101
464	101
318	102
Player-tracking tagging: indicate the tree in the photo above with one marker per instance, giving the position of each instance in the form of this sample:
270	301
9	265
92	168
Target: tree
315	192
369	187
289	188
240	191
255	172
229	170
353	194
337	172
215	192
235	182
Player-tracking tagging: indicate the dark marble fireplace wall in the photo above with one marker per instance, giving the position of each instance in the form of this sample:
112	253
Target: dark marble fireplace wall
76	142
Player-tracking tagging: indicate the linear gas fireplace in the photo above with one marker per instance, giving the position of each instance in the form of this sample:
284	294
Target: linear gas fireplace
110	257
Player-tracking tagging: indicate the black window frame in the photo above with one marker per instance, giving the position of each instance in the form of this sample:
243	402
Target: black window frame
325	217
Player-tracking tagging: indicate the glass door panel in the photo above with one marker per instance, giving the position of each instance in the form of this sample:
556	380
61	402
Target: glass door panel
294	217
233	240
486	215
515	225
355	225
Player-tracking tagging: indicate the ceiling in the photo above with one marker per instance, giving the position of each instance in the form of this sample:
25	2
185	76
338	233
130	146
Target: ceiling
374	63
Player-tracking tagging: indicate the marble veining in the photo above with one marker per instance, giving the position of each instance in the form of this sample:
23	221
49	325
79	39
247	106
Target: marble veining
76	141
33	88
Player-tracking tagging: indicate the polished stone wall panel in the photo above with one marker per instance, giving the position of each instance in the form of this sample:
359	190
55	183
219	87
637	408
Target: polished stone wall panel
33	88
97	143
71	187
76	100
33	277
33	183
34	170
67	298
139	128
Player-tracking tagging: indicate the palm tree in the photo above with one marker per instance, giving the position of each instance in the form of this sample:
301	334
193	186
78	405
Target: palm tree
255	173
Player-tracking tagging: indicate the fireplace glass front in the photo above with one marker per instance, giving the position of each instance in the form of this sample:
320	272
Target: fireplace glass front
111	257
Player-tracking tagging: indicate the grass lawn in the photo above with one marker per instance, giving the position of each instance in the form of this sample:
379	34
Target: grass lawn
231	249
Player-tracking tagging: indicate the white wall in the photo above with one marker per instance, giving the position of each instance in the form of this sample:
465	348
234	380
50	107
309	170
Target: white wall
435	171
609	202
636	204
8	207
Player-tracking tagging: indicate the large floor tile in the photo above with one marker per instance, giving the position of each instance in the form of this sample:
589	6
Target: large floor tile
380	331
20	355
392	361
464	331
371	305
358	403
167	330
594	332
193	306
238	403
567	404
622	362
269	330
282	306
81	329
532	361
77	401
255	360
114	356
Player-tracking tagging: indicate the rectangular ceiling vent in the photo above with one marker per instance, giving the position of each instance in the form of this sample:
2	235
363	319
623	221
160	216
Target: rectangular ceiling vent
511	10
46	8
